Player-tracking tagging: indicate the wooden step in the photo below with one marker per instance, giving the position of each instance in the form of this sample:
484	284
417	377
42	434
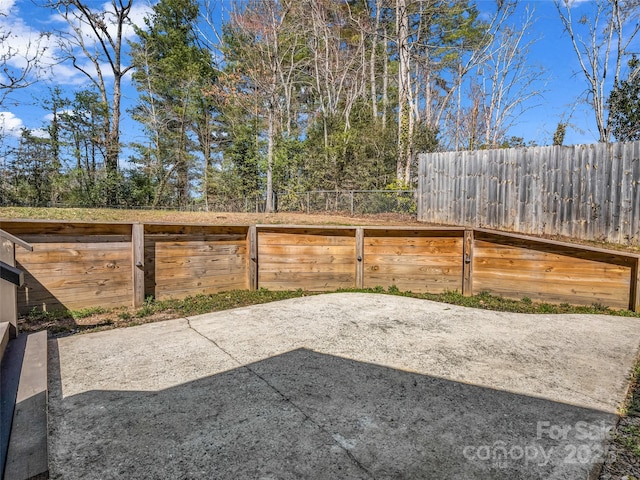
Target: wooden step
4	338
27	453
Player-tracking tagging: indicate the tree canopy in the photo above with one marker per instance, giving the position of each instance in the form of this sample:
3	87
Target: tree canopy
283	96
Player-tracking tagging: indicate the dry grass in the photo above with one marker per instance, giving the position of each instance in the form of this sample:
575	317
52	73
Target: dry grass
210	218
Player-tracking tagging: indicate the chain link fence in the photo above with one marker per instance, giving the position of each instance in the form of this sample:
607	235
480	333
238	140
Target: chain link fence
353	202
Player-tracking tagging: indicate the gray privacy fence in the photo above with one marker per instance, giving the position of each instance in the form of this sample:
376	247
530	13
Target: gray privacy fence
588	192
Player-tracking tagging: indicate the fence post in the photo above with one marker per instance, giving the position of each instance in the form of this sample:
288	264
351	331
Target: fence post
137	263
467	265
359	257
252	240
634	294
351	198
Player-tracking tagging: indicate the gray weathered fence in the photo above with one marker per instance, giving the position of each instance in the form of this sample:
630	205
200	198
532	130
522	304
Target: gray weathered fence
590	192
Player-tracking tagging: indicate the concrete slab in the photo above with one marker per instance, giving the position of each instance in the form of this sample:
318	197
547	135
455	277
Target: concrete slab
27	456
341	386
10	370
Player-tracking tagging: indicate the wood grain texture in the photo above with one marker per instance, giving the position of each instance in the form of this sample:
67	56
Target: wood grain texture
97	266
421	262
184	260
310	259
467	272
252	260
137	260
9	308
634	295
507	267
589	192
360	258
76	275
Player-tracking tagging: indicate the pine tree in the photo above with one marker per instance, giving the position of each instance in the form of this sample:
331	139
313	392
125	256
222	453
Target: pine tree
624	105
171	73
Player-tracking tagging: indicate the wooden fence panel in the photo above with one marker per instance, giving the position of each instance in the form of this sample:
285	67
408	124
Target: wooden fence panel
314	259
79	265
184	260
414	260
590	192
74	265
555	273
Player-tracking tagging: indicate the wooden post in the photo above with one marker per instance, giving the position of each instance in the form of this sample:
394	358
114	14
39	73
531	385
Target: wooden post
8	294
252	240
634	294
137	263
467	266
359	257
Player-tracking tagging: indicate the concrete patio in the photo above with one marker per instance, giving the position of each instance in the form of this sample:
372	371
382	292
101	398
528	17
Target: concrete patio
340	386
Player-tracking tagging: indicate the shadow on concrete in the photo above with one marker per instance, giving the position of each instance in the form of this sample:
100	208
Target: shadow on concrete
304	414
9	380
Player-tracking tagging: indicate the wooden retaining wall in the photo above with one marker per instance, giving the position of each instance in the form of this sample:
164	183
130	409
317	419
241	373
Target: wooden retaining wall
81	265
589	192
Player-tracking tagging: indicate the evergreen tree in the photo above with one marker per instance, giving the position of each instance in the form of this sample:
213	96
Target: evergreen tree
172	73
624	105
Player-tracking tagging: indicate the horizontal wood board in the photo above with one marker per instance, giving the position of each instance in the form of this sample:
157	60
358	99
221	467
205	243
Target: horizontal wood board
81	265
515	268
418	261
310	259
89	271
187	260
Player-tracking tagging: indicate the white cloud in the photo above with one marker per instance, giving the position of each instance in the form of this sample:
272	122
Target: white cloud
65	73
10	124
6	6
20	42
49	116
39	133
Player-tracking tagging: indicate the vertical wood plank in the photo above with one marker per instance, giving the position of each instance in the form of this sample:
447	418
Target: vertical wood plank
137	263
467	259
590	192
634	294
8	297
634	153
252	271
359	257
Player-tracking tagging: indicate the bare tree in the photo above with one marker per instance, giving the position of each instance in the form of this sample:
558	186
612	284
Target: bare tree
16	65
264	23
506	82
601	41
98	36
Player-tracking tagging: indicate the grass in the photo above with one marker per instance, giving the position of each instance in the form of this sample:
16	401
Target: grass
624	444
65	322
91	319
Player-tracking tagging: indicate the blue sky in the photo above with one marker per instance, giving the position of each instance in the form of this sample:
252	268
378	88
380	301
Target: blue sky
562	83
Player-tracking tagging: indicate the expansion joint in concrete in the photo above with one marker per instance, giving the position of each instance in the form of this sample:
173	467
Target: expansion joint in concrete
286	399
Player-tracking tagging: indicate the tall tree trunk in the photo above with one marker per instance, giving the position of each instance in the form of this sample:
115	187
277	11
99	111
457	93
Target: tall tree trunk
270	144
404	113
113	142
385	83
372	64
